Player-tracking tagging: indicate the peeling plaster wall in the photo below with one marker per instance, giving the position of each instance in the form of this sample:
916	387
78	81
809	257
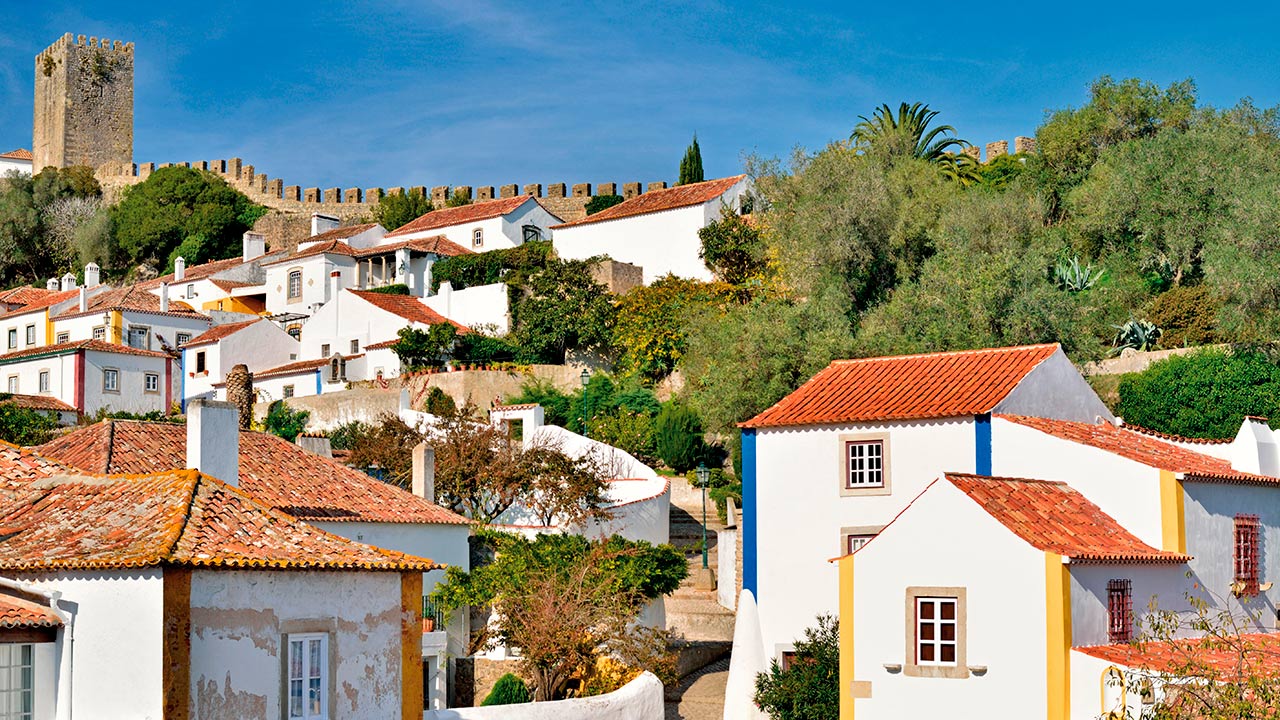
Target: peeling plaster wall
238	619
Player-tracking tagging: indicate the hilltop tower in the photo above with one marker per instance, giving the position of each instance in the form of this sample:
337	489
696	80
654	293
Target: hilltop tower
84	104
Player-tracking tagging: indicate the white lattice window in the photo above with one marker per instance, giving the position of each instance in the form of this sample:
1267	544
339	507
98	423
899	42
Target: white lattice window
308	681
936	630
17	681
864	464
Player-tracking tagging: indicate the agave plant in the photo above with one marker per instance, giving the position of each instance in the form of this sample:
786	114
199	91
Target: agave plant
1074	277
908	134
1141	335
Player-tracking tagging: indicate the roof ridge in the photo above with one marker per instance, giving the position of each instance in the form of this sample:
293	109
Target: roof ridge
1004	478
944	353
186	515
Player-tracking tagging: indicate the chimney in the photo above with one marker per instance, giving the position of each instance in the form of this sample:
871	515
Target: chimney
335	284
84	299
240	393
179	269
1254	449
68	282
213	439
322	223
318	444
254	246
424	472
91	273
51	284
164	297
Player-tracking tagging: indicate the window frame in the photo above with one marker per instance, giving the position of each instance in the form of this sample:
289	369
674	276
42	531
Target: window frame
98	333
325	677
288	285
202	364
528	230
191	290
108	372
1246	554
146	336
62	338
857	531
12	383
13	338
27	681
325	350
1119	610
912	666
287	391
355	346
885	487
146	383
477	237
30	335
182	338
43	381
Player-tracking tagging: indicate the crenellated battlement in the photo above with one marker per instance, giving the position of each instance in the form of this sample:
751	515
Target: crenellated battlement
1021	145
83	103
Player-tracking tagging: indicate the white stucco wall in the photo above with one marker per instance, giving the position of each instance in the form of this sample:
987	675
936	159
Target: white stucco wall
315	282
260	346
1055	389
1091	696
132	395
348	318
640	699
8	165
479	305
947	540
19	323
801	512
500	233
61	369
239	618
1209	512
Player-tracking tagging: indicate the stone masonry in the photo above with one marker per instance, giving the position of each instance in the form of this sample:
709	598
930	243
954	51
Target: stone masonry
83	104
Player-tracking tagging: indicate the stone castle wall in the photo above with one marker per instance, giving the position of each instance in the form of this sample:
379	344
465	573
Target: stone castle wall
83	103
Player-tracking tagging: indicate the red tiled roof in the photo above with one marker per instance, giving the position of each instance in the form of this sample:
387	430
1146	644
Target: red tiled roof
25	295
660	200
330	247
934	385
438	244
1221	657
61	348
195	272
1142	448
16	612
340	233
134	298
448	217
1054	517
229	285
272	470
405	306
1177	438
382	345
217	332
178	517
21	464
19	154
34	303
36	402
294	367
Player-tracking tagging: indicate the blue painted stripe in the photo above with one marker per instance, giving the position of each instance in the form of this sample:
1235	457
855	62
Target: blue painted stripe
982	444
182	377
749	509
319	384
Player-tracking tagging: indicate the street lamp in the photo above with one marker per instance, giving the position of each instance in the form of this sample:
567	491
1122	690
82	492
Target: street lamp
703	474
586	378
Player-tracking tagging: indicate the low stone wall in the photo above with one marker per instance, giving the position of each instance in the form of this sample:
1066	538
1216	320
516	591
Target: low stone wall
640	699
1131	361
330	410
481	387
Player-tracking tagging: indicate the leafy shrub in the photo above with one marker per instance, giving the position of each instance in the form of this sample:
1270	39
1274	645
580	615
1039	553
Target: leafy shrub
557	405
652	323
24	426
394	211
283	421
509	690
628	431
602	202
1186	316
732	248
346	435
458	199
678	435
719	495
810	686
486	268
425	348
395	289
1204	394
476	347
1139	335
438	402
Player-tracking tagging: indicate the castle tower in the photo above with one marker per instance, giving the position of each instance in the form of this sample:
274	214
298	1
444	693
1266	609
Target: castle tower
84	104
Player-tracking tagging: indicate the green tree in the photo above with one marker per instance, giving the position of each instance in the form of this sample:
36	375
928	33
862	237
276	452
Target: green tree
561	308
45	220
1001	172
178	207
283	421
809	688
652	323
399	209
23	426
509	690
691	164
908	135
1203	394
458	199
678	437
601	202
425	348
384	449
732	249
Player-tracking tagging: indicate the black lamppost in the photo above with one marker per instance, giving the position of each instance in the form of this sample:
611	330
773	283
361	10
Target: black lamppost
703	474
586	378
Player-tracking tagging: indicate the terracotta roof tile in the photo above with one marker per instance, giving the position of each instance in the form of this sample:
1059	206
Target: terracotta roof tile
19	154
448	217
36	402
175	518
660	200
1054	517
405	306
1142	448
62	348
43	302
340	233
294	367
229	285
1219	659
934	385
276	472
382	345
21	465
438	244
1177	438
134	298
16	612
330	247
217	332
25	295
195	272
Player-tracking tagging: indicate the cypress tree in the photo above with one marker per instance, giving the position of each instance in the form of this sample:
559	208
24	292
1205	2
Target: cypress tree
691	164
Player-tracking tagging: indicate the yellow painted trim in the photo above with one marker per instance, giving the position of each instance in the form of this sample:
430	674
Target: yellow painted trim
49	336
1173	526
115	332
846	637
1057	585
1124	691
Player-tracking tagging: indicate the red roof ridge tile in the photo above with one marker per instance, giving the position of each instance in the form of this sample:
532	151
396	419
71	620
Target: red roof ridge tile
1177	438
653	201
18	154
472	212
218	332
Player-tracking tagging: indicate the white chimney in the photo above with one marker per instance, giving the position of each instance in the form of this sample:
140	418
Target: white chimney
323	223
51	284
164	297
424	472
68	282
253	245
179	269
335	284
1254	449
91	275
84	299
213	439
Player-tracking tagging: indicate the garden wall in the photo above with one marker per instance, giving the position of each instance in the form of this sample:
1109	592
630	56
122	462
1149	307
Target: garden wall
640	699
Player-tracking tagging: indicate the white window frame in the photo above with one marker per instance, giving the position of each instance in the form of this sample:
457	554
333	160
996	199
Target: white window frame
63	338
477	237
191	290
11	659
182	338
289	294
111	380
871	476
12	385
355	347
13	338
304	672
151	382
918	626
930	622
146	337
287	391
31	335
99	333
44	381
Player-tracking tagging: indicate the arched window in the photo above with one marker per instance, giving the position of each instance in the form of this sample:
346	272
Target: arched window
532	233
295	284
295	331
477	237
337	369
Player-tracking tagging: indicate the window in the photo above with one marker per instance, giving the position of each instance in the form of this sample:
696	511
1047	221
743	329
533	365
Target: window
111	380
477	237
44	381
355	347
191	290
295	284
936	632
31	334
853	542
99	333
787	659
13	338
200	363
532	233
337	369
288	391
17	681
865	462
324	350
65	337
139	337
13	383
295	331
152	383
1119	611
183	338
308	681
1246	555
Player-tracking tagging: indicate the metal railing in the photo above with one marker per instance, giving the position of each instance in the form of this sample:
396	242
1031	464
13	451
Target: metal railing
433	612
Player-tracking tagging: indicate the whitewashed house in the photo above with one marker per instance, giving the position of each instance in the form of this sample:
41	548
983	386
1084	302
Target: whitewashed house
92	375
356	319
657	230
258	344
130	316
486	225
18	161
232	285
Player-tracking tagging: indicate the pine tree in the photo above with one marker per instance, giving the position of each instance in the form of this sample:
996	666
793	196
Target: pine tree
691	164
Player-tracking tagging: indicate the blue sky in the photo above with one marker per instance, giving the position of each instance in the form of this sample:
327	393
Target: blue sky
471	92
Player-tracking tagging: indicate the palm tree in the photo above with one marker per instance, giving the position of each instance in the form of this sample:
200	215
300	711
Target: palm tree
908	134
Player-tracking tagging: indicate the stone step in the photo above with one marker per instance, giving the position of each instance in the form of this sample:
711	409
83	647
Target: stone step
699	619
